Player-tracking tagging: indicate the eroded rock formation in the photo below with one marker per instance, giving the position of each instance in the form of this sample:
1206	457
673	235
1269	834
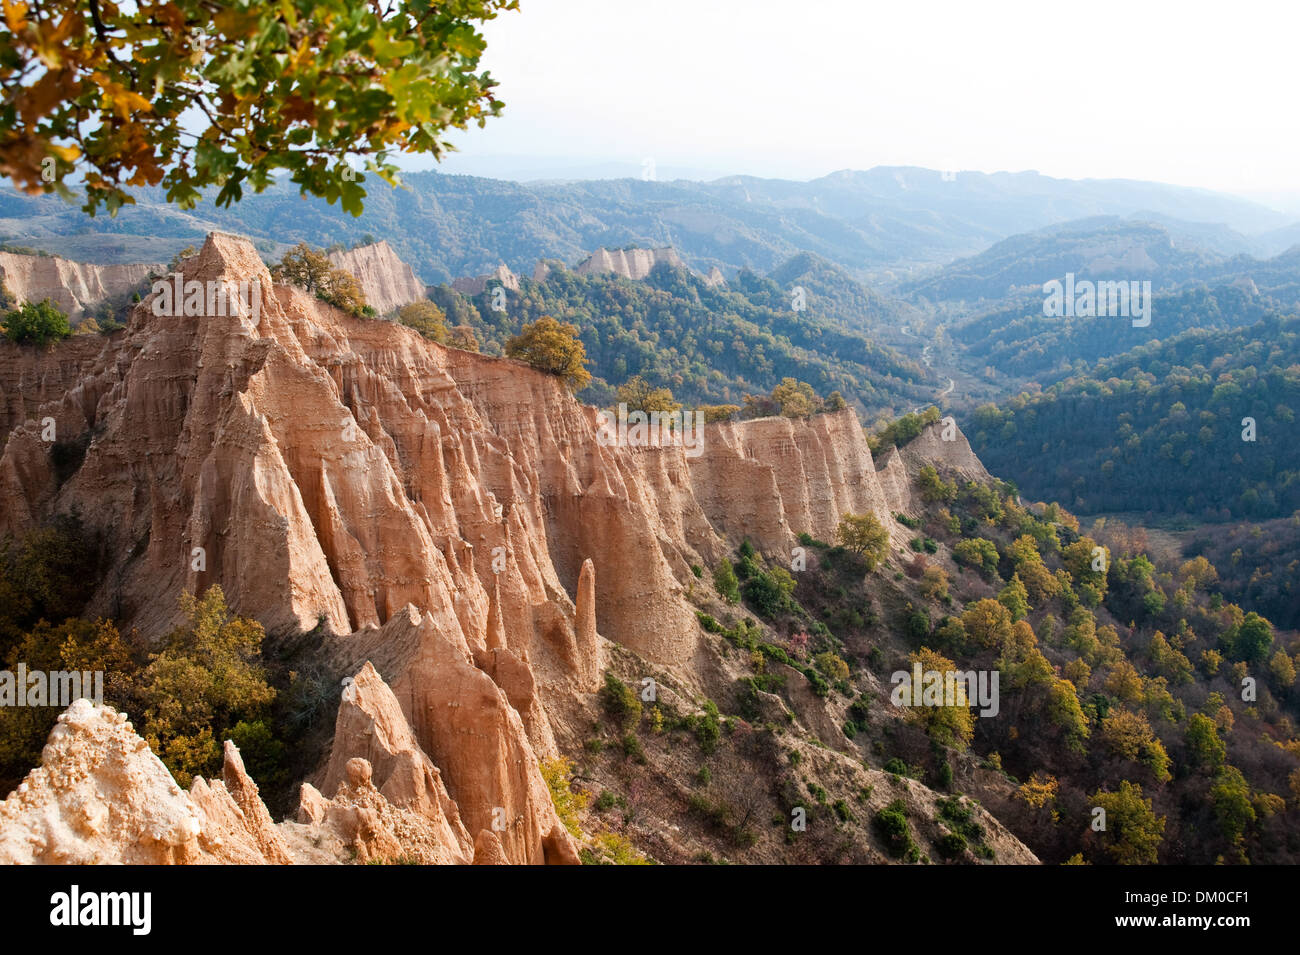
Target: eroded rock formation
386	281
72	286
477	285
629	263
453	521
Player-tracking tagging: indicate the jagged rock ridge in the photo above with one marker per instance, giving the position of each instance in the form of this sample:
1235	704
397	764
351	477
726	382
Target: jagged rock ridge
435	508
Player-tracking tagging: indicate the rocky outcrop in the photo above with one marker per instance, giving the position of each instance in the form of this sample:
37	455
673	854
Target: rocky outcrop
72	286
372	727
477	285
629	263
715	277
100	796
771	479
290	452
945	448
895	482
471	729
387	282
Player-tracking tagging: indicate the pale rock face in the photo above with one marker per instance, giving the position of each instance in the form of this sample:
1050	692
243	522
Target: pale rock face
470	730
258	820
387	282
72	286
770	479
371	729
100	796
895	482
953	457
633	264
715	277
477	285
362	821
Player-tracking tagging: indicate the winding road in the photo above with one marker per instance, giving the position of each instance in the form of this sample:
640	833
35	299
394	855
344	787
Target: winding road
926	360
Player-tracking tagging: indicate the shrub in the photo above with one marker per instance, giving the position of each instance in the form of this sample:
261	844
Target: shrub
891	824
765	595
609	848
36	323
707	727
724	580
426	318
558	774
708	622
944	775
632	748
862	534
621	702
951	845
832	666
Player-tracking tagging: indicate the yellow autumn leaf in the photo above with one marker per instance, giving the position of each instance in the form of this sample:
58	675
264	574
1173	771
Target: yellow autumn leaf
120	99
15	15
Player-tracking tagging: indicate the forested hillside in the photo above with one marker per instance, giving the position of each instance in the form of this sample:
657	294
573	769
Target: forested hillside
1202	425
1022	342
714	345
446	226
1259	565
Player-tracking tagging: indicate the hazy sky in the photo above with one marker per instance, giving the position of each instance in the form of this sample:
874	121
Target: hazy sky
1199	94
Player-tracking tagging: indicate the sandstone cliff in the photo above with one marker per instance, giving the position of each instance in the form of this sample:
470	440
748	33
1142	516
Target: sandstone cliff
72	286
101	796
387	282
473	549
947	450
629	263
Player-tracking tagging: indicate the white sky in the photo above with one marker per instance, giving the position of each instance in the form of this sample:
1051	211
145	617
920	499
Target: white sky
1188	92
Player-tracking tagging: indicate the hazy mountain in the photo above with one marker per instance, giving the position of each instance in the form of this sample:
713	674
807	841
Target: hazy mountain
1098	248
882	220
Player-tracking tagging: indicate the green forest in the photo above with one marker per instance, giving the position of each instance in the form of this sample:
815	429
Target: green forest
713	345
1021	342
1201	425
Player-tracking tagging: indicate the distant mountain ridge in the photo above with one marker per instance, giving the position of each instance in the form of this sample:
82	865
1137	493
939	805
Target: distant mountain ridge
1170	253
886	221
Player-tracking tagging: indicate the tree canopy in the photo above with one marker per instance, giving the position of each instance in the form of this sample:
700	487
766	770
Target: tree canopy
553	347
187	94
36	323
